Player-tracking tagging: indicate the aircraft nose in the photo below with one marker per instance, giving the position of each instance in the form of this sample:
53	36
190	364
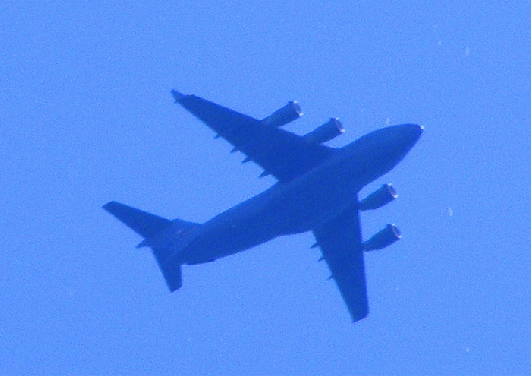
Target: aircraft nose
420	129
414	129
413	132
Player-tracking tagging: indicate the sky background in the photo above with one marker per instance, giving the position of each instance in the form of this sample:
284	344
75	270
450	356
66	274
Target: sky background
87	117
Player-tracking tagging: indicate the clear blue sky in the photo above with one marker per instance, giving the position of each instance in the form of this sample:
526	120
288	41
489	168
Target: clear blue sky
87	117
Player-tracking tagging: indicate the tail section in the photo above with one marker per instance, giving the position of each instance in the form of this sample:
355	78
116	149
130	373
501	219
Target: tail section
151	227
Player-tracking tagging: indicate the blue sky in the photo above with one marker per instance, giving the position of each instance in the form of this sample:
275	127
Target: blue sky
87	117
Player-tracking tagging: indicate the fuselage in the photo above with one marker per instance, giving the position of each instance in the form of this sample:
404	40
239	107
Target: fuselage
304	203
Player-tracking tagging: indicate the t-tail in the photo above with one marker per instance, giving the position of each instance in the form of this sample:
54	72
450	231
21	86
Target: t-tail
155	230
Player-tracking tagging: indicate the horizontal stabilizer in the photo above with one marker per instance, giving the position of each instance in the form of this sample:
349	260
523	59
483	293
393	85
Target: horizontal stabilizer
141	222
149	226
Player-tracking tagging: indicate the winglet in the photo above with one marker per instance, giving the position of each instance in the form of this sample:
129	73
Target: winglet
177	95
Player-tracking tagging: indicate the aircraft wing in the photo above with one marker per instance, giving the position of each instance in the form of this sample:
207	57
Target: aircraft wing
341	244
280	153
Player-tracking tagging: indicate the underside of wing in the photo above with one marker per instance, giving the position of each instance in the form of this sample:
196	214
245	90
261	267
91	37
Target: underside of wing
341	245
280	153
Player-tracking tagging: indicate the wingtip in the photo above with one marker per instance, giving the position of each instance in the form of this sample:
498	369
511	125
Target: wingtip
177	95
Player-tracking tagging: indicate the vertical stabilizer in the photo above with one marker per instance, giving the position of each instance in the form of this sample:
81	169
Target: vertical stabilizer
173	274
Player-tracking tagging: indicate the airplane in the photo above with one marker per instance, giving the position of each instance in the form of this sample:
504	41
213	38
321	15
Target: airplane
316	190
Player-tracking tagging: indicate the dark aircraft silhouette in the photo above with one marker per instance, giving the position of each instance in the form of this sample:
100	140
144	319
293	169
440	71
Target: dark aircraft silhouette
317	190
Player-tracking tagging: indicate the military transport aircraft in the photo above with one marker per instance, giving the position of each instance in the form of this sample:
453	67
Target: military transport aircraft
317	190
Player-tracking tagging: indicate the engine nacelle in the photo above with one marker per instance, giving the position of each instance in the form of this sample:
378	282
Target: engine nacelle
325	132
384	195
382	239
282	116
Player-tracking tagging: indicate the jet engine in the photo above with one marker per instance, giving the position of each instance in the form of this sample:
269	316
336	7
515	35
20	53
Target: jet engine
382	239
325	132
384	195
282	116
